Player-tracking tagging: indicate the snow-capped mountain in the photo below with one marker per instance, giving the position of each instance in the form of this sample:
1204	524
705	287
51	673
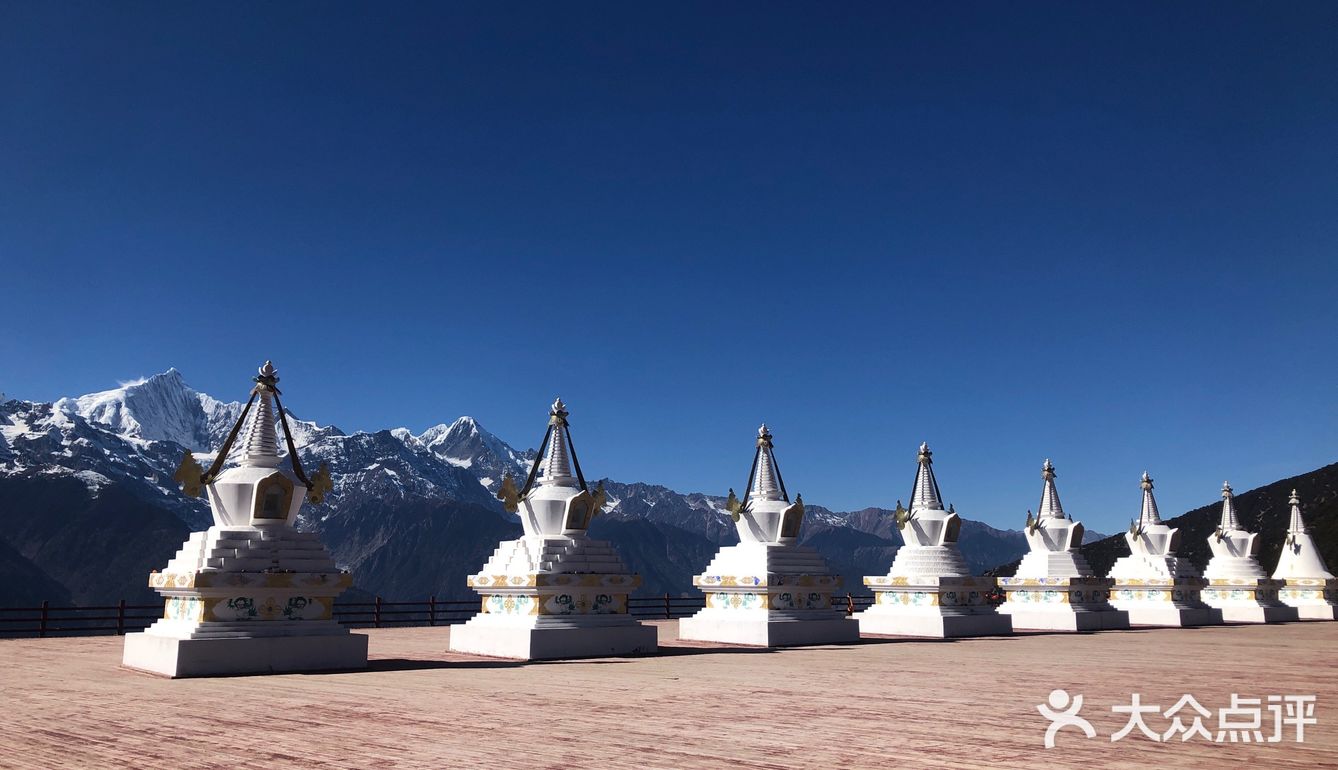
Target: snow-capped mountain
465	444
158	408
38	440
410	514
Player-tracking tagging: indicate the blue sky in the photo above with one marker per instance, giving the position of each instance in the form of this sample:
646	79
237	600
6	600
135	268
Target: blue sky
1103	234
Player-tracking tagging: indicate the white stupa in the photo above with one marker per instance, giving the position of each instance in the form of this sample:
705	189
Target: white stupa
1309	586
1156	587
768	590
1237	584
251	594
1054	587
554	593
930	591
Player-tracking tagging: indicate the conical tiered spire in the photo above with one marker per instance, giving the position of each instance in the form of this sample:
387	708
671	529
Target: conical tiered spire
1297	525
1049	495
1149	514
765	486
262	439
557	462
1229	520
925	495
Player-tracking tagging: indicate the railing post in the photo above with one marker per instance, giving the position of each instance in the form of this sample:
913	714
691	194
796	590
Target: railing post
376	614
667	613
41	628
120	618
432	610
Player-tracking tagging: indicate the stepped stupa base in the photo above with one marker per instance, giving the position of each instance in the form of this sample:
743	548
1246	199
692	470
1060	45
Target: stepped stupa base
1168	615
1061	604
934	625
1316	612
1170	602
767	630
232	656
498	637
1248	600
1313	598
539	615
939	607
748	602
1253	613
1067	620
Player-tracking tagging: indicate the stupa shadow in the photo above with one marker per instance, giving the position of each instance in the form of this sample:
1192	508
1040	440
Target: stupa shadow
415	664
412	664
713	649
891	639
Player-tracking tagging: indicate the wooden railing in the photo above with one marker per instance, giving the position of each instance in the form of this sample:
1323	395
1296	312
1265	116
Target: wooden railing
121	618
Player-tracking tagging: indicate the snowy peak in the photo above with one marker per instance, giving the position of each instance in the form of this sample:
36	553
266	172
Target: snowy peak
466	444
158	408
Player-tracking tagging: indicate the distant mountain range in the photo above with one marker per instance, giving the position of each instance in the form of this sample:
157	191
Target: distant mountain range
88	505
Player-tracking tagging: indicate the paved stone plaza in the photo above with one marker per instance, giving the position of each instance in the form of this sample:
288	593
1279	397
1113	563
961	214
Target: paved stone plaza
880	703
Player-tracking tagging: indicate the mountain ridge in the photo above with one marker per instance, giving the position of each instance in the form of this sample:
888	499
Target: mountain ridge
403	502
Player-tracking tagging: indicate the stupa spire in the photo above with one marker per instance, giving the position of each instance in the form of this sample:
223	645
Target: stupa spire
1297	525
765	485
1229	520
1049	495
1301	560
261	448
1149	514
925	496
557	461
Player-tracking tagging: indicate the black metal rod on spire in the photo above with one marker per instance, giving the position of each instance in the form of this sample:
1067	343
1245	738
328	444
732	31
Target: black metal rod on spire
575	462
288	439
538	458
748	490
775	465
222	456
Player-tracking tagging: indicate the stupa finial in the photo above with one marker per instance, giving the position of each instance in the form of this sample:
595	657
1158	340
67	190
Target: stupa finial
1229	520
765	485
1049	495
267	376
1297	525
261	448
1149	514
557	462
925	495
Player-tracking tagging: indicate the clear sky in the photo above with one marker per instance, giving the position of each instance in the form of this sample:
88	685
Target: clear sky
1099	233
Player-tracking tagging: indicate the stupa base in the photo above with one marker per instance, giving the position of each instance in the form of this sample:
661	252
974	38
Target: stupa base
1316	611
939	607
1248	600
716	626
1170	616
178	658
911	623
482	635
1256	613
1066	620
1163	601
1313	598
1061	604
